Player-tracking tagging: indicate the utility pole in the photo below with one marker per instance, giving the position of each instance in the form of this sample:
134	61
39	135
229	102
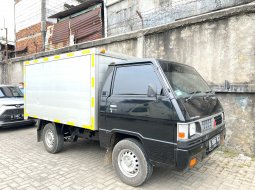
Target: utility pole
43	23
4	72
14	12
6	42
6	45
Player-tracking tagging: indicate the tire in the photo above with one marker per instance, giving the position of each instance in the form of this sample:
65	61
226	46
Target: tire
130	162
53	139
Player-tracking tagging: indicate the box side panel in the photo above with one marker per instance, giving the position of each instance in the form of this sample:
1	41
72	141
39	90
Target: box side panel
61	91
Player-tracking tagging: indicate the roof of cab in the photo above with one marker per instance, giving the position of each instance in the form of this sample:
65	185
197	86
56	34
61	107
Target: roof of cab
133	61
143	60
5	85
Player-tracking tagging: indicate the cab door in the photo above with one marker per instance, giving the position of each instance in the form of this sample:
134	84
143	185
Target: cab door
131	111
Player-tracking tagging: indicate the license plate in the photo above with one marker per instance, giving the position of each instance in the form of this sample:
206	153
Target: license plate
214	142
18	116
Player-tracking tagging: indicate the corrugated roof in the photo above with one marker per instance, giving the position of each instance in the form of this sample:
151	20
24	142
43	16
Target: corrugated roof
87	25
61	32
78	8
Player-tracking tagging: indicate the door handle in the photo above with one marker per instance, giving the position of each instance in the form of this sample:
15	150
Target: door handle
113	108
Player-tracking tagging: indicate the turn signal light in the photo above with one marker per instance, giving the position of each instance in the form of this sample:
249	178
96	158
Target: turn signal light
102	51
192	162
214	123
181	135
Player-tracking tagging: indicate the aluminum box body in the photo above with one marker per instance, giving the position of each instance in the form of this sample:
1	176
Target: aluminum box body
65	88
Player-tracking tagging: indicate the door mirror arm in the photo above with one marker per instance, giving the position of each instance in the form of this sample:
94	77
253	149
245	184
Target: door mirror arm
152	91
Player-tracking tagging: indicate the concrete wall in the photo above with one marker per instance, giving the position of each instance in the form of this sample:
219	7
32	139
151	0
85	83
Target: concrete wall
1	74
221	47
239	111
222	50
122	14
16	71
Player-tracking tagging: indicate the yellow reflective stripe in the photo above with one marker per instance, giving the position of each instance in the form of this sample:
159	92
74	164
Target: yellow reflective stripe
57	57
46	59
70	123
86	126
36	61
26	62
93	60
70	54
24	70
24	97
57	121
92	122
25	115
92	102
93	82
35	116
86	51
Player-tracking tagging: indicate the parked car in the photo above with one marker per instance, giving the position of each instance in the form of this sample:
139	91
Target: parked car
12	107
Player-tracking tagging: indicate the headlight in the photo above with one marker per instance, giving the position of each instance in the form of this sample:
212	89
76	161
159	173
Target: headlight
222	116
185	130
192	129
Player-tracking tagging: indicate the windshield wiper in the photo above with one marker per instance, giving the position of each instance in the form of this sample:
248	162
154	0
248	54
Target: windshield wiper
209	92
192	94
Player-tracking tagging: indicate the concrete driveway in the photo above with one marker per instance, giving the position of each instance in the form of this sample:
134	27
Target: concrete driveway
24	164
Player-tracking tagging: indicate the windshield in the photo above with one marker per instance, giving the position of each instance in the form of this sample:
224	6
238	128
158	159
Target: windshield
184	80
10	91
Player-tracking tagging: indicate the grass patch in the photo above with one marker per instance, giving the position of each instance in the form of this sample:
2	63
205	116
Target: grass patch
230	154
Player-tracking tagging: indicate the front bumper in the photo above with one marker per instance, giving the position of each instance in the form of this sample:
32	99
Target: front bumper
17	123
199	149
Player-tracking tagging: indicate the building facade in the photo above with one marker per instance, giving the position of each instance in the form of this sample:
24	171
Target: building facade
31	19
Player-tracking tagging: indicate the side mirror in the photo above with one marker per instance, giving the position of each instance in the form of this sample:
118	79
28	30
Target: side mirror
152	91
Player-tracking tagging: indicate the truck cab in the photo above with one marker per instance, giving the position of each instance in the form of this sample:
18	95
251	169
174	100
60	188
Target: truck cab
166	106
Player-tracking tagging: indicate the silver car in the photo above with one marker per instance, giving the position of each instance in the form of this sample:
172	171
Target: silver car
12	107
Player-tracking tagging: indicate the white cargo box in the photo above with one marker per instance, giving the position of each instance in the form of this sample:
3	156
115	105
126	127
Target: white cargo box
65	88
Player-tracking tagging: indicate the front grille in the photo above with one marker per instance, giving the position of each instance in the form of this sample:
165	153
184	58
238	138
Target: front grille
12	115
206	125
218	119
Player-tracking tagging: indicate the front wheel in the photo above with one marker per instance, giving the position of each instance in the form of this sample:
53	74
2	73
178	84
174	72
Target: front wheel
53	139
130	162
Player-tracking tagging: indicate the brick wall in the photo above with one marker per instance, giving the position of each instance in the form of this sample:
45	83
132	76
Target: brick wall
31	38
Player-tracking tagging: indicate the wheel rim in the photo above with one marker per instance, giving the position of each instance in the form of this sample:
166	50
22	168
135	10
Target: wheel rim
49	138
128	163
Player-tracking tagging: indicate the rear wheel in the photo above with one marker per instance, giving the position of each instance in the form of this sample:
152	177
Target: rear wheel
130	162
53	139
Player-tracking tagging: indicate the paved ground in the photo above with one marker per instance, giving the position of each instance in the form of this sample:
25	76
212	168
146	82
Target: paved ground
24	164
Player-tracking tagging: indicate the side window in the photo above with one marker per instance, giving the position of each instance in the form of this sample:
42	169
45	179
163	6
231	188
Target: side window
1	93
134	80
107	84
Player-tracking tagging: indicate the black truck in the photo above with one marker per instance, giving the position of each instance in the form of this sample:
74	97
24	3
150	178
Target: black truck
151	113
